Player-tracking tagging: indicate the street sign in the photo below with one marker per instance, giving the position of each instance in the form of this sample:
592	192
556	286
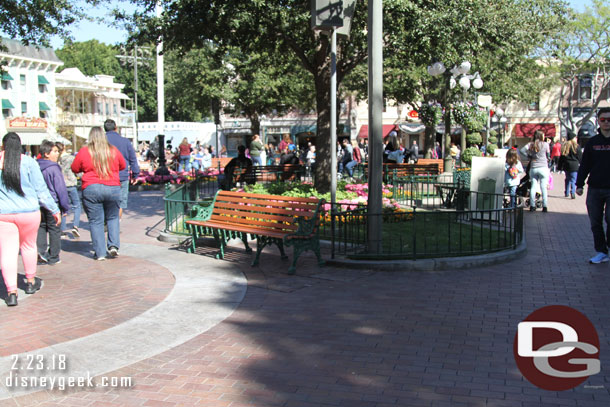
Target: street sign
329	14
484	100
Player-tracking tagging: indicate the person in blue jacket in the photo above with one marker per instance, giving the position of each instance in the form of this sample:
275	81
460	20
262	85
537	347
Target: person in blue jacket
22	193
129	154
48	250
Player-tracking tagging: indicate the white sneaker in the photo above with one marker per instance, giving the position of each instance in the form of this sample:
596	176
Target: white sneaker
599	258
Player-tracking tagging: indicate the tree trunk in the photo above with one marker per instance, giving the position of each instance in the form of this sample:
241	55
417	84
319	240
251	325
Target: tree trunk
429	140
323	170
255	123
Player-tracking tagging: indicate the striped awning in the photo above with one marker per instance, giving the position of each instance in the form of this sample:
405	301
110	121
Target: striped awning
42	80
43	106
6	104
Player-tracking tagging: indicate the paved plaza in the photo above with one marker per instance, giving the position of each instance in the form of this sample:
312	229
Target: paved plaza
190	330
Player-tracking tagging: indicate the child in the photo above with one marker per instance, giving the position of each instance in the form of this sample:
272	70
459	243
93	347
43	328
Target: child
512	174
54	178
65	162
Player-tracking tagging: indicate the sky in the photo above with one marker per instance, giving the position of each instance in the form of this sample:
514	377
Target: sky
86	30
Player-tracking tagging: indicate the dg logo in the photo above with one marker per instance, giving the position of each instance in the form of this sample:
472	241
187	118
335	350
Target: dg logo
556	348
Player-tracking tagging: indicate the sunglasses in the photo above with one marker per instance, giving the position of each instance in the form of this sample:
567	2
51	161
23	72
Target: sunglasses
604	119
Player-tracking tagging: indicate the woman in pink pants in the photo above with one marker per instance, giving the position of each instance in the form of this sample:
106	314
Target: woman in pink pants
22	192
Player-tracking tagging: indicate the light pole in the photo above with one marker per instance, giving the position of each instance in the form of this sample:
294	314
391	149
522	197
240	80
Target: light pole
139	56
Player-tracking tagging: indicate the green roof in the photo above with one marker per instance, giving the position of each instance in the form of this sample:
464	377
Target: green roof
6	76
42	80
6	104
43	106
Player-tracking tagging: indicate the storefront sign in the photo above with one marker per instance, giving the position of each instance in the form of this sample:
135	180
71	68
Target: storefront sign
26	123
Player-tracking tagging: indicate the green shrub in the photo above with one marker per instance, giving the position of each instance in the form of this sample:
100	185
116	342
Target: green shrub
491	149
469	153
493	133
492	139
473	138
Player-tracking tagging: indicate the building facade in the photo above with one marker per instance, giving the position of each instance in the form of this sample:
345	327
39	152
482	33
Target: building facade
28	93
87	101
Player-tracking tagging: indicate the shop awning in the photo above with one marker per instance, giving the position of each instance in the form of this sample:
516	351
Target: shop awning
6	76
43	106
528	129
6	104
387	128
412	128
33	139
303	128
42	80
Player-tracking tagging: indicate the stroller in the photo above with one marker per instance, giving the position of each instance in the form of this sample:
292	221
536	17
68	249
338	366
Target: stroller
523	190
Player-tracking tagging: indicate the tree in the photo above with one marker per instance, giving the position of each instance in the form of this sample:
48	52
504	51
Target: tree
583	49
36	20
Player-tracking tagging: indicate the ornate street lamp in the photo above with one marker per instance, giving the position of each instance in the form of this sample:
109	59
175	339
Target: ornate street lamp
457	75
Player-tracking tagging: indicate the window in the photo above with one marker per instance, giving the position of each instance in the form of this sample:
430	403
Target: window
81	106
44	114
107	110
22	81
99	108
24	107
533	106
42	88
585	88
6	85
6	113
114	110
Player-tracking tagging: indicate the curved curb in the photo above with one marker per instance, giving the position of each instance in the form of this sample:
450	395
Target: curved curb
201	298
438	264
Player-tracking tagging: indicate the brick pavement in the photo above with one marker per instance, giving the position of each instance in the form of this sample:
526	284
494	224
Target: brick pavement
333	337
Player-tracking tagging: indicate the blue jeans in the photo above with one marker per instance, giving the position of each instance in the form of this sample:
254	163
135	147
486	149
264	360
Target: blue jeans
184	165
539	175
571	182
598	208
513	195
101	203
349	167
74	207
256	160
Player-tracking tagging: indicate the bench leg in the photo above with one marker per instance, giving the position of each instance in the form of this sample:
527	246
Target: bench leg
194	235
220	240
261	242
244	238
316	250
280	245
295	256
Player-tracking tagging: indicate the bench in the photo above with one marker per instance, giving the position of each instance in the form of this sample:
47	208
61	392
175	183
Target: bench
439	162
270	219
270	173
391	170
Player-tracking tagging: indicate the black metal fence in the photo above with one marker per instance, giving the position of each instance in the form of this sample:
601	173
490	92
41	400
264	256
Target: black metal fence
435	220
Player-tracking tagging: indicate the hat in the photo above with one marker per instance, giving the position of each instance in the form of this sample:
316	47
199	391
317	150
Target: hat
571	135
393	133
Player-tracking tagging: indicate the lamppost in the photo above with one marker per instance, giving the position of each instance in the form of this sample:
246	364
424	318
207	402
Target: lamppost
500	118
457	75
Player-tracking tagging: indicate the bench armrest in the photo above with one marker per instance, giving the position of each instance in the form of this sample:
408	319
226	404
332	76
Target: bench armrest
308	228
203	210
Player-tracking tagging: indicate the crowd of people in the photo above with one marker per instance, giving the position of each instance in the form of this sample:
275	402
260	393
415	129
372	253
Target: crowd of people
36	196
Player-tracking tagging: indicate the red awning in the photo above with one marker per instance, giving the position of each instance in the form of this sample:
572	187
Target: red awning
528	129
387	128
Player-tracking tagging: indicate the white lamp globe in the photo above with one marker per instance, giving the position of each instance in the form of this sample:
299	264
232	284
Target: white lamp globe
464	82
499	112
477	83
430	70
439	68
464	67
452	83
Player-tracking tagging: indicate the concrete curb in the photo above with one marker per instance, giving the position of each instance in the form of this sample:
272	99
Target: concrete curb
172	238
438	264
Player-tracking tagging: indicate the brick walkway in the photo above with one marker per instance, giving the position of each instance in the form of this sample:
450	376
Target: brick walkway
334	337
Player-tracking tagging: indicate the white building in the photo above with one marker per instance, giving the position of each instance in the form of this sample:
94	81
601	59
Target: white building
87	101
27	92
174	132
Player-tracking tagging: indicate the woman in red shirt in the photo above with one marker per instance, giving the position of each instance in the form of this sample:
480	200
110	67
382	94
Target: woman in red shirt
100	164
185	155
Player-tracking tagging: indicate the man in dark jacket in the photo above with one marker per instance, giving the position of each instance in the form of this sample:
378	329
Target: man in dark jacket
240	163
129	154
48	251
596	166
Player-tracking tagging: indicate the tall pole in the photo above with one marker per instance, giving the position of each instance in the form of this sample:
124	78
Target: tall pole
135	91
375	45
160	102
333	119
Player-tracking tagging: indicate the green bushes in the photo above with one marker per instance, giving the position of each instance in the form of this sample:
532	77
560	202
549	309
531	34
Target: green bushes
469	153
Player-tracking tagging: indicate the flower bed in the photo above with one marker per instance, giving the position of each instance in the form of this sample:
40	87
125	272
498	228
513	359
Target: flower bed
174	177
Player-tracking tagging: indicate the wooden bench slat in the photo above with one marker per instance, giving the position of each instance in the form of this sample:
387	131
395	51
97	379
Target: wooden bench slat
241	218
270	197
240	228
266	209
